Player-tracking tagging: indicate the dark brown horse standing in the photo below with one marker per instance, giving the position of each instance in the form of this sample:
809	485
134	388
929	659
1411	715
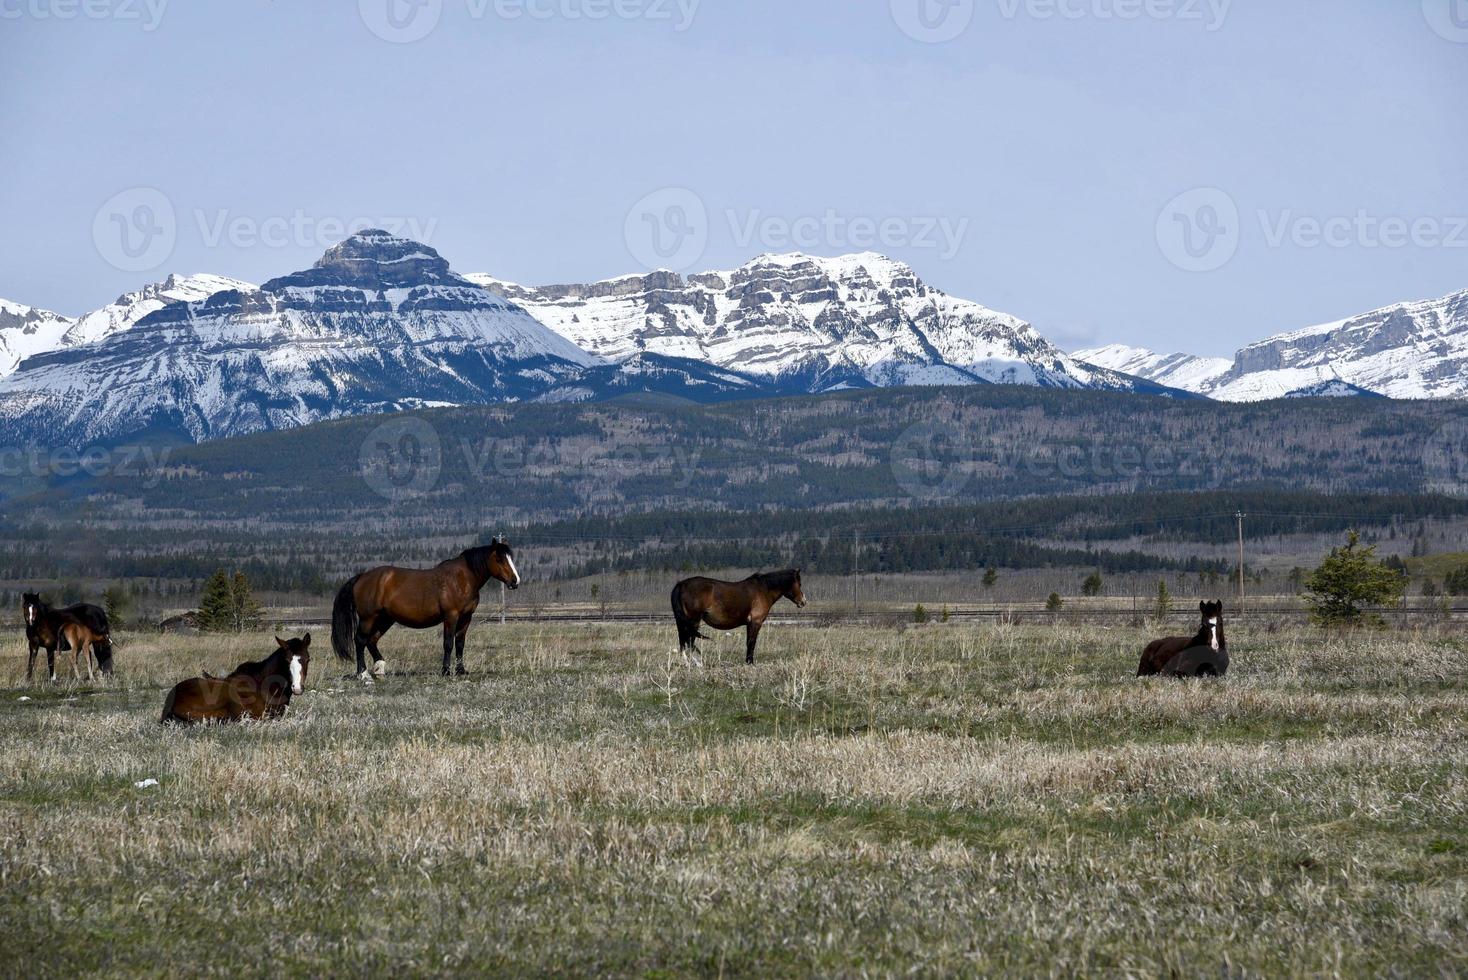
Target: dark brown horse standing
730	605
261	689
372	603
54	629
1160	653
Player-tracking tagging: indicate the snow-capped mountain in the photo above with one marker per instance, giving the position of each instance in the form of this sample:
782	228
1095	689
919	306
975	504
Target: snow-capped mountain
379	323
129	308
811	324
1410	350
25	330
1186	371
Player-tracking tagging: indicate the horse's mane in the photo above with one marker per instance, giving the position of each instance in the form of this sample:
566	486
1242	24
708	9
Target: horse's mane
477	558
257	668
780	581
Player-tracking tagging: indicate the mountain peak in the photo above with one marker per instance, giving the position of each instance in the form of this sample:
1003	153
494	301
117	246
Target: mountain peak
373	259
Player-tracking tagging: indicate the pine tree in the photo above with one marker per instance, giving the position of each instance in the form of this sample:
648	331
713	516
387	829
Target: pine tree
1347	581
990	577
216	604
245	609
1093	586
1054	603
117	602
1164	600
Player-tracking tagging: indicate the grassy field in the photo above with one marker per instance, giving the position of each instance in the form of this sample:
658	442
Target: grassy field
943	800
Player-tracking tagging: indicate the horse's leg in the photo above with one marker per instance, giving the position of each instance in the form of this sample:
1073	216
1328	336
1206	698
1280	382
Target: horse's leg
87	655
751	637
30	664
450	627
51	663
459	635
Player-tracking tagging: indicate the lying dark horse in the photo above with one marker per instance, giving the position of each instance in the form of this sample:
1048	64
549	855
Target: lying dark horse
54	629
261	689
373	602
1161	653
730	605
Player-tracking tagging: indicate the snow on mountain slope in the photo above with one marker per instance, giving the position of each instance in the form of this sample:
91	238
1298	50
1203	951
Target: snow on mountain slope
129	308
811	323
1410	350
379	323
1186	371
25	330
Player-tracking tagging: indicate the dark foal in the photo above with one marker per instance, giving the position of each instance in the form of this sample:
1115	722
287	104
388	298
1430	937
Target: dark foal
74	628
1159	653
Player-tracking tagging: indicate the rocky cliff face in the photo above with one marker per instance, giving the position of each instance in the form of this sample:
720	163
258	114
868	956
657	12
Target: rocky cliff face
25	330
808	323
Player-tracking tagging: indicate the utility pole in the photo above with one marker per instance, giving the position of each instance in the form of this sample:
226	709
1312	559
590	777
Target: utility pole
856	567
502	603
1240	516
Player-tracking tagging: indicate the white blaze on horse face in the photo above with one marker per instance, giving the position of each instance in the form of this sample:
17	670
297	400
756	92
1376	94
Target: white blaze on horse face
30	614
1213	633
296	674
510	560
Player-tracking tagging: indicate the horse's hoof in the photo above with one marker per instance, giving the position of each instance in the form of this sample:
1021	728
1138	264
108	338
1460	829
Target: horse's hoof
461	672
379	669
365	678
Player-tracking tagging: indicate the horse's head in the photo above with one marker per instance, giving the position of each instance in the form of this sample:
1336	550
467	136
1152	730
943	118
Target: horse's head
1212	625
502	563
32	607
795	593
298	660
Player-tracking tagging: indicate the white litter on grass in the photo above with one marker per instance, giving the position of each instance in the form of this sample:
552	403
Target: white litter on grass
146	783
22	698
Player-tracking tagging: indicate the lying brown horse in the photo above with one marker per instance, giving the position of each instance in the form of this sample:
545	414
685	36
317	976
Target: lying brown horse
76	627
261	689
372	603
1160	653
730	605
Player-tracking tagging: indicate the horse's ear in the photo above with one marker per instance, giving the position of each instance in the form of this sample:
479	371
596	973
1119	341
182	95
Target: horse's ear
306	640
1203	607
283	644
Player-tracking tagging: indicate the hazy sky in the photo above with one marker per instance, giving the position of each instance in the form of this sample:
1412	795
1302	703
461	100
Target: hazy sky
1181	174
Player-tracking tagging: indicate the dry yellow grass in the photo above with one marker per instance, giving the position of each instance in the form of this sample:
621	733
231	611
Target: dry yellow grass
944	800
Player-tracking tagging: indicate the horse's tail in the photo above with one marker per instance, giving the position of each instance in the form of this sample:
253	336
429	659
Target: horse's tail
686	630
344	619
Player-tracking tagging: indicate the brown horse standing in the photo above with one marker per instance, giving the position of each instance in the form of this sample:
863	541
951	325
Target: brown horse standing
74	627
372	603
730	605
1210	634
261	689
